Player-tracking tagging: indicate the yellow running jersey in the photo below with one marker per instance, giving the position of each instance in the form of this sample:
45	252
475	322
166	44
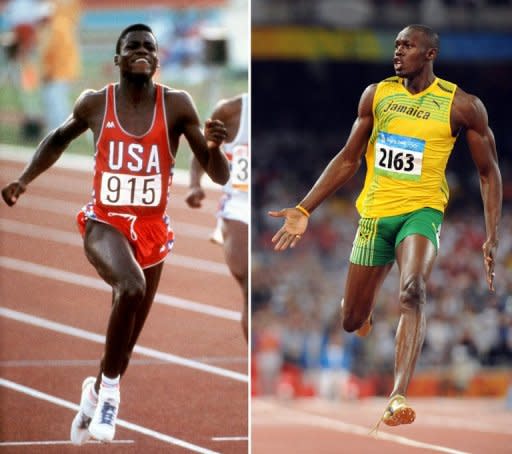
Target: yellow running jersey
408	150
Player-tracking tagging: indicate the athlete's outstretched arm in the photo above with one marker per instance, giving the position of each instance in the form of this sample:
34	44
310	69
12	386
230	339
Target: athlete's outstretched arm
205	145
482	146
49	150
341	168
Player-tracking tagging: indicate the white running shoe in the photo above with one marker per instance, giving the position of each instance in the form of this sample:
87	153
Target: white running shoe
216	236
103	424
80	425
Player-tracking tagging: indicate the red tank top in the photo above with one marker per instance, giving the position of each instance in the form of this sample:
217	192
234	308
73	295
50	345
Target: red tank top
133	174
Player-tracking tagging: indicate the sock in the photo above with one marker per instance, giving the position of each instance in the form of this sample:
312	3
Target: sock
110	385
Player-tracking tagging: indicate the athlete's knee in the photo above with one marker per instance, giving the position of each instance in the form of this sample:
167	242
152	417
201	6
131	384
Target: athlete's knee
131	289
413	293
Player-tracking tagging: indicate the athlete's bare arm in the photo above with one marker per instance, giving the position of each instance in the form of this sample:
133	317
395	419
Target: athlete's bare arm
341	168
53	145
229	113
183	119
468	112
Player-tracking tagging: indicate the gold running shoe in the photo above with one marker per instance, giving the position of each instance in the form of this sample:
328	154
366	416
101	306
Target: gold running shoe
397	412
366	327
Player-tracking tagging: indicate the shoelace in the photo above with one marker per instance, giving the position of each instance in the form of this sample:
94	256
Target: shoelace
108	413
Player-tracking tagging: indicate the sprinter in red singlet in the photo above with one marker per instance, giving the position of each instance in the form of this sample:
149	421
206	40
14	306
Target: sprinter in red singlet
136	124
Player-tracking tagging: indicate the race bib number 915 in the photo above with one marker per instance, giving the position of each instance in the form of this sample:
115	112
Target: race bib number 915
120	189
240	168
399	157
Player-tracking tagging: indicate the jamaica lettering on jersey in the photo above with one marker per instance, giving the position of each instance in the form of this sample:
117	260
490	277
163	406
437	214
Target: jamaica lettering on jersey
133	173
408	149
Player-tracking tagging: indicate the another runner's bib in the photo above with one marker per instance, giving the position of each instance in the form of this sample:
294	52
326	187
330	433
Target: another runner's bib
240	167
408	150
237	152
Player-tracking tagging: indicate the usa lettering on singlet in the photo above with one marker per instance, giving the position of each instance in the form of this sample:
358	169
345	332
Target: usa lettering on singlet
133	173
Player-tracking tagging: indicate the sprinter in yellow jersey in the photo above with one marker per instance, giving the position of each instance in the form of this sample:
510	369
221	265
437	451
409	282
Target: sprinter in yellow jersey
407	125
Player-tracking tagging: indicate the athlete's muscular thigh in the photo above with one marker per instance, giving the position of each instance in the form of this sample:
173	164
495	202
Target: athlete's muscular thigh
361	288
235	235
110	253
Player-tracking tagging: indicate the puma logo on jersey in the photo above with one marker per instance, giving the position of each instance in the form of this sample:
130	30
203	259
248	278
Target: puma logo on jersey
110	125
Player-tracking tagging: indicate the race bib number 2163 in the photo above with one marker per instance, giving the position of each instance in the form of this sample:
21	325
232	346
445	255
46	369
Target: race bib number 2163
399	157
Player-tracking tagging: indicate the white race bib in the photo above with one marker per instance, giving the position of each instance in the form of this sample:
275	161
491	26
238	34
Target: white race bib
120	189
240	168
399	157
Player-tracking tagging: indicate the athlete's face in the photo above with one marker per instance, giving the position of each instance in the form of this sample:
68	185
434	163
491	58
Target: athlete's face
411	53
138	54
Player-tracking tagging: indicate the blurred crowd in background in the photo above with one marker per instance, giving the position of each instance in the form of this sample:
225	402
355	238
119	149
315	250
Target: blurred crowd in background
41	52
51	50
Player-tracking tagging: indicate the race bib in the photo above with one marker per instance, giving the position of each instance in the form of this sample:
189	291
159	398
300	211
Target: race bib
121	189
240	168
399	157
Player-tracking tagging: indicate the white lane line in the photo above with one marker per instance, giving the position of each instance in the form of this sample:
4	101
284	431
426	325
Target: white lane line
230	438
70	209
120	422
84	163
99	339
94	362
59	443
98	284
74	239
323	422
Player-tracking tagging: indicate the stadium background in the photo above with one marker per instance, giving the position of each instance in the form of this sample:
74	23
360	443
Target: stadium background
184	30
311	62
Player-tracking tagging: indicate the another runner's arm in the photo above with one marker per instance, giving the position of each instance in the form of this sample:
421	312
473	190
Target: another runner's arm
346	163
50	149
196	171
205	145
482	146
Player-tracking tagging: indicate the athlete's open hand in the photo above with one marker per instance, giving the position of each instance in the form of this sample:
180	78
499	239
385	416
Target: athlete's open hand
295	224
489	249
11	193
195	196
215	132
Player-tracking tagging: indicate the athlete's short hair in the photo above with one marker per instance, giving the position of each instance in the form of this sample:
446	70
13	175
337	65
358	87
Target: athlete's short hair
430	34
131	28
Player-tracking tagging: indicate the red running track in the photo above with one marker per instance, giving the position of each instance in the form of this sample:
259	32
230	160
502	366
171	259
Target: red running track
186	389
443	425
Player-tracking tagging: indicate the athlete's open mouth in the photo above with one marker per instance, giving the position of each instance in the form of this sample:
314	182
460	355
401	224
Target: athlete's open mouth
142	60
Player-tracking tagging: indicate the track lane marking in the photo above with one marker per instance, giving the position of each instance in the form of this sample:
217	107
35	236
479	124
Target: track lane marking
74	239
290	416
85	164
59	443
230	438
120	422
70	209
98	284
100	339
